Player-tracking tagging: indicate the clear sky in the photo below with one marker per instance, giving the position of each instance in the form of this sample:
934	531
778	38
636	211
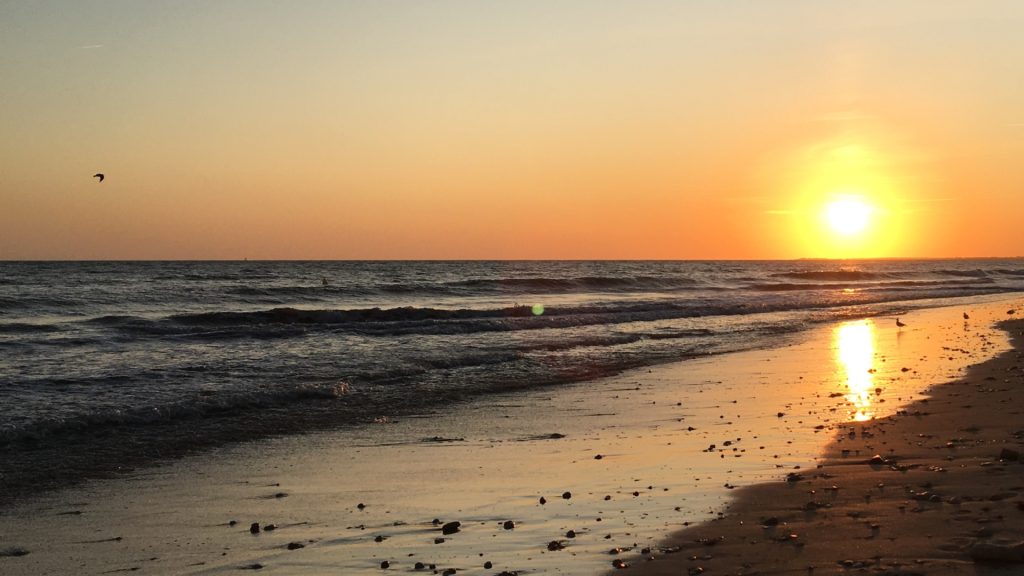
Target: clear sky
514	129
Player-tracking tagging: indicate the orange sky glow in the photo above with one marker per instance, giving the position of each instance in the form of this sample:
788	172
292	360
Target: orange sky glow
237	129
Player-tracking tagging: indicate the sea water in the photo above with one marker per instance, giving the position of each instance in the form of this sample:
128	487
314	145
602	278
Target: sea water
106	365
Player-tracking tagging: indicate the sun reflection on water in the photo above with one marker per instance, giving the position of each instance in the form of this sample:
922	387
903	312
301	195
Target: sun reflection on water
855	348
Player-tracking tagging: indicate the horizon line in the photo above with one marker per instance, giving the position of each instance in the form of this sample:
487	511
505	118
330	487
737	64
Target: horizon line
799	259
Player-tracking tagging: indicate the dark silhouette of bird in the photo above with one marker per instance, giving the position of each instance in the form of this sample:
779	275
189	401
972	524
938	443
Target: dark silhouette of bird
99	175
899	324
966	317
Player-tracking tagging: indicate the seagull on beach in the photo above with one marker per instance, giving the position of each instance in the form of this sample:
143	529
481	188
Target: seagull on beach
99	175
899	324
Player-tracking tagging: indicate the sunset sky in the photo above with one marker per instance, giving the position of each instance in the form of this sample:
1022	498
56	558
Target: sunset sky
518	129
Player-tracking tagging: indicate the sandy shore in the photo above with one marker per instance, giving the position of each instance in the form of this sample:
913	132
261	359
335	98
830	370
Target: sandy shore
639	456
936	489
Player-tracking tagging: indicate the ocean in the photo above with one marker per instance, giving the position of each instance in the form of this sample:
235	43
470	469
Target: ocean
112	365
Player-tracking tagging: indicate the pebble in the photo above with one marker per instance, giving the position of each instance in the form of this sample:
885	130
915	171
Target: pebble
488	565
13	552
566	495
555	545
295	545
254	528
385	565
988	552
508	525
450	528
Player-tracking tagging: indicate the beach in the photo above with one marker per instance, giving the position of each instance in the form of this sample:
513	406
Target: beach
621	463
936	489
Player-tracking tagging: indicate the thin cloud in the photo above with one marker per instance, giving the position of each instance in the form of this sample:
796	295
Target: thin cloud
91	46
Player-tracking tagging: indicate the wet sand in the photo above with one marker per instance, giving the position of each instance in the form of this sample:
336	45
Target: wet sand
936	489
638	456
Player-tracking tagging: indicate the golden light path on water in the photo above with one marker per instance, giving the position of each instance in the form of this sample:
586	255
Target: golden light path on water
855	348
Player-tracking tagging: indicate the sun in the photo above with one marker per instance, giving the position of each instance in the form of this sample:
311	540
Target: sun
848	216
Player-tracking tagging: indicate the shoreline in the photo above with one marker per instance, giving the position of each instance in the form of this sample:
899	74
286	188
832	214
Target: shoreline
641	453
76	457
937	488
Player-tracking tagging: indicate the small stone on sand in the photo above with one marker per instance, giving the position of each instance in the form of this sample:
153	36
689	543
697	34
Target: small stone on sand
13	551
989	552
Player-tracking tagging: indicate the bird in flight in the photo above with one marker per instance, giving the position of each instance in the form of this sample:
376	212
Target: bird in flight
99	175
